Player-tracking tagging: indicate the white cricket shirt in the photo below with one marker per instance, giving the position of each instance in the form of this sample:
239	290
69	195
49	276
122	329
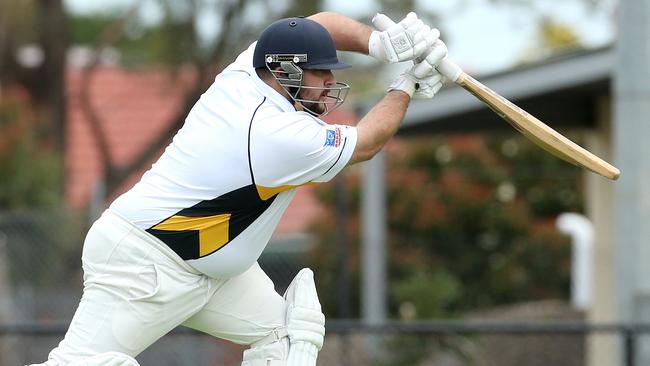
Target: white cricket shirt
218	191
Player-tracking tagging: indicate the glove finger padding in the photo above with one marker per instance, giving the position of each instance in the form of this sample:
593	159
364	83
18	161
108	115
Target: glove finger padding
415	31
431	60
410	19
406	40
420	42
424	40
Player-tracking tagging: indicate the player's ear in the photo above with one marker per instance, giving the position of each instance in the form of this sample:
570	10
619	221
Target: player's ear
264	73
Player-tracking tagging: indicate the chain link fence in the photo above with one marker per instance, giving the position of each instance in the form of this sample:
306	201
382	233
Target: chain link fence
41	283
440	343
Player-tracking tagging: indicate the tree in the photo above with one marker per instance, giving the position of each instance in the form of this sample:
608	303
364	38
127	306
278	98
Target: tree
29	171
32	106
42	75
176	42
471	225
32	112
480	236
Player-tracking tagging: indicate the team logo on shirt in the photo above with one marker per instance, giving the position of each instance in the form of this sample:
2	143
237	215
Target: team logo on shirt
333	137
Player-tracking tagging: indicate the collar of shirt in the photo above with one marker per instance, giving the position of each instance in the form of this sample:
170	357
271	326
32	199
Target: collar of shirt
271	93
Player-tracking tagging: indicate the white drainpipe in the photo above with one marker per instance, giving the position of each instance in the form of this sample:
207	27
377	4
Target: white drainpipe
581	231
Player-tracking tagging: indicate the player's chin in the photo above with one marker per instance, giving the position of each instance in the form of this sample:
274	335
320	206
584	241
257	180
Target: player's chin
315	107
320	108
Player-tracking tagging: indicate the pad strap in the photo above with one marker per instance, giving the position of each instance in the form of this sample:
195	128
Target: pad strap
274	336
268	362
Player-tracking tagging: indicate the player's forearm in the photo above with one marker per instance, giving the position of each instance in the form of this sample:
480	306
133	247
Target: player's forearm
348	34
379	125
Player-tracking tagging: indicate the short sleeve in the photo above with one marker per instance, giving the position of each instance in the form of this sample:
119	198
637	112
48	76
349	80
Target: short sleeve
244	61
295	148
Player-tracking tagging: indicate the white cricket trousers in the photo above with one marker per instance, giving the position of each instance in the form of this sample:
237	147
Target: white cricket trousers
136	290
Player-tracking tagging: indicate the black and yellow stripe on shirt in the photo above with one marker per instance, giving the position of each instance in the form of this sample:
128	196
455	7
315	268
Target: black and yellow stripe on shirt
209	225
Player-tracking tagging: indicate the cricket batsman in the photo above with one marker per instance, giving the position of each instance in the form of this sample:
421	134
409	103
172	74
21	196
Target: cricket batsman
181	247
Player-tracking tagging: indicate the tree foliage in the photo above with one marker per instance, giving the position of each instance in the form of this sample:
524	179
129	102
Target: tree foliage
471	225
29	169
175	41
557	36
32	107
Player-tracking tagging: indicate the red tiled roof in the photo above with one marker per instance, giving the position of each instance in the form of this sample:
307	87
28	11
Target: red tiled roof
134	107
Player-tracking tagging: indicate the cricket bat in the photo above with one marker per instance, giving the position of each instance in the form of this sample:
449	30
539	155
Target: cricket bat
534	129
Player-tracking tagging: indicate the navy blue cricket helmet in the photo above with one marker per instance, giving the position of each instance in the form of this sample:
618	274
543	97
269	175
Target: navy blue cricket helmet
298	36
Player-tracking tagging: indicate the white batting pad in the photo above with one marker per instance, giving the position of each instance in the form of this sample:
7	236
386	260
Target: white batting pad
305	320
107	359
271	354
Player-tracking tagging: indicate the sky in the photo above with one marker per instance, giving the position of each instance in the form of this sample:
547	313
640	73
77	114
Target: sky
483	36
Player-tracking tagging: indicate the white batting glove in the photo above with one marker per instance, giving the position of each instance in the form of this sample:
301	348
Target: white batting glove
429	86
422	80
420	88
406	40
426	64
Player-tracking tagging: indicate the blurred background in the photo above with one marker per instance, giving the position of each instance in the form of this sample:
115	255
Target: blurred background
461	244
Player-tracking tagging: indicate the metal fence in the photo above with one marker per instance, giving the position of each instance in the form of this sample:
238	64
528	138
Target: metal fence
441	343
40	286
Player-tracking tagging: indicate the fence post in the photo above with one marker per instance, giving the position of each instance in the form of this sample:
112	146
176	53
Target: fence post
629	335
